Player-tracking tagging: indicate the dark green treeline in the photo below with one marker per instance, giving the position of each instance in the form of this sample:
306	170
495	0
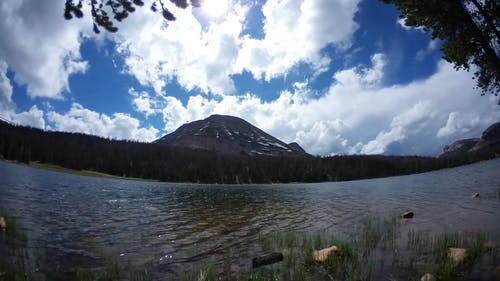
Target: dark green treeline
157	161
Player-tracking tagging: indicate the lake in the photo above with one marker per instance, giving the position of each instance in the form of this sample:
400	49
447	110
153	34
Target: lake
173	227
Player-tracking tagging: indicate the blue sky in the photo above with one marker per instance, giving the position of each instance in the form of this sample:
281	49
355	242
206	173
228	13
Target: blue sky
338	77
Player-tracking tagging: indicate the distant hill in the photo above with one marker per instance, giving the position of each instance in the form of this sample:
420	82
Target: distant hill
489	141
229	135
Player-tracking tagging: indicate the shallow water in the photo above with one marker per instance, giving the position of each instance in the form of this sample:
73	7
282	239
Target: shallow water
173	227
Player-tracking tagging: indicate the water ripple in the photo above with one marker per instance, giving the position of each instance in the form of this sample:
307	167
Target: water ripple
182	226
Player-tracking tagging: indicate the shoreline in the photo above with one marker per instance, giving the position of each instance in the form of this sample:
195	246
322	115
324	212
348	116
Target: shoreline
90	173
86	173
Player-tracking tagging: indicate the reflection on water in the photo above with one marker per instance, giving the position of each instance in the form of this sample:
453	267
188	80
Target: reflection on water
174	226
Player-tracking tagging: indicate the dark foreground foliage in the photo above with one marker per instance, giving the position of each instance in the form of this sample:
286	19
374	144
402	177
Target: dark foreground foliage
165	163
106	13
470	32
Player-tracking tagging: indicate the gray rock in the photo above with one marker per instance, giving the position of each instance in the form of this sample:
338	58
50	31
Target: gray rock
457	255
407	215
428	277
323	254
497	272
267	259
490	245
3	223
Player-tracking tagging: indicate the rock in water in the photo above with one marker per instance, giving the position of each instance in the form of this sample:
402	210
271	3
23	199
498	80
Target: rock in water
490	245
3	223
457	255
323	254
497	272
407	215
428	277
267	259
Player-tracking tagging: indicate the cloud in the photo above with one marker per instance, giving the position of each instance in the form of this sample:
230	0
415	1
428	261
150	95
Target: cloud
5	88
432	46
40	48
458	125
204	56
402	22
144	103
198	57
296	31
118	126
43	50
359	114
403	125
32	118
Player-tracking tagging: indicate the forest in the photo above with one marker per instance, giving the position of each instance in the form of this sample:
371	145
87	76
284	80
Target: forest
161	162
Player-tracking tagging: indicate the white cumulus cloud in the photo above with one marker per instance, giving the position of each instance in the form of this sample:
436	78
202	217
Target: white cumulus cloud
458	124
39	46
204	56
5	89
197	57
118	126
32	118
296	31
358	114
143	102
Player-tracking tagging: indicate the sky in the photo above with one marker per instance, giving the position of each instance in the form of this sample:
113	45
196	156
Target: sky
336	76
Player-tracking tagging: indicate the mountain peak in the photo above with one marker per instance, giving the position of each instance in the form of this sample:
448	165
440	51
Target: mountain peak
229	135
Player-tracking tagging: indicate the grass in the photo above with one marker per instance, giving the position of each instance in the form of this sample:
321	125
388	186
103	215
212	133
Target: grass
89	173
15	267
113	272
13	234
377	250
432	251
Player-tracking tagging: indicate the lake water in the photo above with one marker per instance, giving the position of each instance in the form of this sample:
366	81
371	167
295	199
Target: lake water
172	227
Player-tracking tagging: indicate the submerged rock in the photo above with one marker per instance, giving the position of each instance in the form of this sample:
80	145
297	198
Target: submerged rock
428	277
457	255
497	272
3	223
267	259
323	254
407	215
490	245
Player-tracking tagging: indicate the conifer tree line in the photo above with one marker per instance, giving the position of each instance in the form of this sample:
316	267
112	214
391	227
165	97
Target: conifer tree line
158	161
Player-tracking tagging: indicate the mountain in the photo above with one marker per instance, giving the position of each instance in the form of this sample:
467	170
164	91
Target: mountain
489	140
458	147
229	135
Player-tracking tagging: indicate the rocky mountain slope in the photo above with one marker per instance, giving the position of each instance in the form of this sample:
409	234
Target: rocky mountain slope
229	135
490	139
